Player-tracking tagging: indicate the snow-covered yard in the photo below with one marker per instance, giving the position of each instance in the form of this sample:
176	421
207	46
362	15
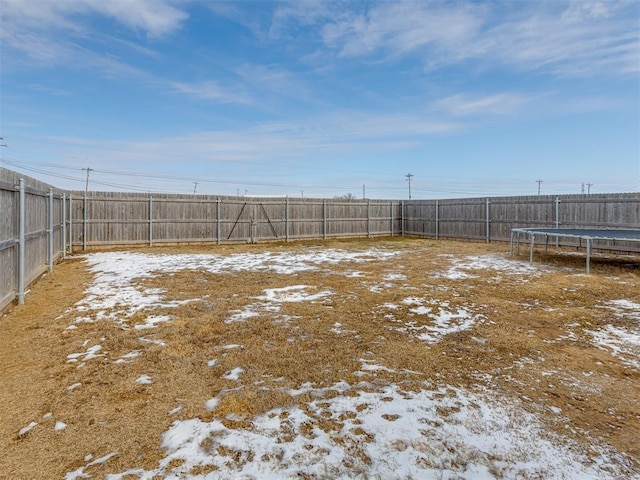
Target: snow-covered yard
388	417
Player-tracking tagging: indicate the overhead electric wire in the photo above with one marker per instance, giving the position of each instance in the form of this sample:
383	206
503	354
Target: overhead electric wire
27	166
428	187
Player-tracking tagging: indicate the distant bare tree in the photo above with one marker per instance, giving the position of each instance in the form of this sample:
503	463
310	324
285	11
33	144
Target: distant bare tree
347	196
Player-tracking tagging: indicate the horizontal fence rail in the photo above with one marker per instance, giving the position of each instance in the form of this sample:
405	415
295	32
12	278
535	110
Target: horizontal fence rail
41	224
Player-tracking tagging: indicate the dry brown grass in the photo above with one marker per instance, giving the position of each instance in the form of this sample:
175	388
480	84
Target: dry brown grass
511	352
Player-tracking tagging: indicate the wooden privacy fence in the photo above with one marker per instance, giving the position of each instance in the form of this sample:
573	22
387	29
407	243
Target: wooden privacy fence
100	219
40	224
32	235
491	219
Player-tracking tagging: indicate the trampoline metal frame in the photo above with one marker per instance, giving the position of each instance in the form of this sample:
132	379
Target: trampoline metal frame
583	234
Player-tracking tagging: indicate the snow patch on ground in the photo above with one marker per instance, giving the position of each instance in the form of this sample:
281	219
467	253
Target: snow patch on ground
144	380
462	268
211	404
152	321
440	319
439	433
23	431
622	339
386	283
91	353
272	300
293	293
79	473
233	374
115	294
128	357
625	309
621	342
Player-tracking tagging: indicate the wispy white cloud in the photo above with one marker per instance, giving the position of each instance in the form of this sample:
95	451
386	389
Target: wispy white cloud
153	17
330	138
401	27
209	90
575	42
564	38
34	48
288	16
273	80
47	33
497	104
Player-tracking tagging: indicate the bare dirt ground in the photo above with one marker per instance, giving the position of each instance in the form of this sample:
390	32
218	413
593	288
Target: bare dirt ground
533	344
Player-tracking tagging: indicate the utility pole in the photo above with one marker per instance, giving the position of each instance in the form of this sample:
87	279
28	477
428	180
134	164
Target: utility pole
195	187
582	188
539	182
409	175
86	185
589	185
301	193
363	192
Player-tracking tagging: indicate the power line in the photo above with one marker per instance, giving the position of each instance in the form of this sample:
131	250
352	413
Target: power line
466	187
27	166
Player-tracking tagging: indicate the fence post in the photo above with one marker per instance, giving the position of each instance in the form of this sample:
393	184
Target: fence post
391	218
218	220
324	219
151	220
488	231
63	234
252	230
557	220
84	222
437	219
70	224
22	217
286	219
403	220
50	232
368	218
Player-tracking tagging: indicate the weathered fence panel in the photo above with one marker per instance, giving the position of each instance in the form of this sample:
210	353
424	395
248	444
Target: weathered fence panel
8	238
306	219
493	218
30	237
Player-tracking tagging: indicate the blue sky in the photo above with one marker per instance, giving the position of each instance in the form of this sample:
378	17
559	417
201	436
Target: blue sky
318	98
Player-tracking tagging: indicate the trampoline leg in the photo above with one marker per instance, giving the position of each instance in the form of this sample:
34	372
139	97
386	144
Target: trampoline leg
533	237
518	243
588	254
511	245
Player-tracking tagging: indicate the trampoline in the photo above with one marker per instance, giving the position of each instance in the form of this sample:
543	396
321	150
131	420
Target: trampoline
586	234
